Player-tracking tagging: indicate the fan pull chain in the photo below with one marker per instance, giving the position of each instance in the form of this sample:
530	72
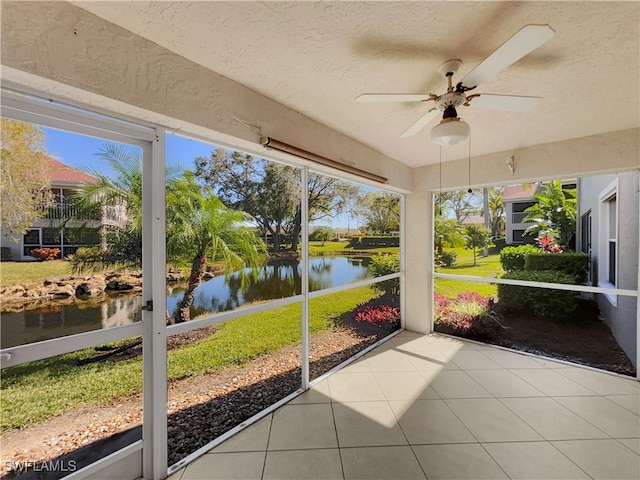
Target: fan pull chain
440	170
469	191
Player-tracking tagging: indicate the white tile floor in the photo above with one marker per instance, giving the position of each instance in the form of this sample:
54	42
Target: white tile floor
433	407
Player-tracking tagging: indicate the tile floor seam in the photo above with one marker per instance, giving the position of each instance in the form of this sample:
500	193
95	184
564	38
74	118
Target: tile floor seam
624	395
564	455
627	446
494	459
583	418
588	368
335	428
586	419
539	432
266	450
460	420
548	443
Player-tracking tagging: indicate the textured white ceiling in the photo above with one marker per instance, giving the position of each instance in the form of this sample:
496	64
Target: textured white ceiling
316	57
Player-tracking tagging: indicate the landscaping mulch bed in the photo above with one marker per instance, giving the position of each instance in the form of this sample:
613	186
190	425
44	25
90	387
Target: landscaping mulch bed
583	339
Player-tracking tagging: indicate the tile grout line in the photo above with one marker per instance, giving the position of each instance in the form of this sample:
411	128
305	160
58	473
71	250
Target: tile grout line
266	450
335	429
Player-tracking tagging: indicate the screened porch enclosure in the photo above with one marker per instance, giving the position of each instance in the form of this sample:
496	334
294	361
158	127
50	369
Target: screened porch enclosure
313	392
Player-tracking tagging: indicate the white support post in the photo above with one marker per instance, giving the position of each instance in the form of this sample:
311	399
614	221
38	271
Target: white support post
402	281
419	265
154	429
304	271
638	294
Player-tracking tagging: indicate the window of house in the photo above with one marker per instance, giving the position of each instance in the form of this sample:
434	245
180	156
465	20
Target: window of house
608	239
585	233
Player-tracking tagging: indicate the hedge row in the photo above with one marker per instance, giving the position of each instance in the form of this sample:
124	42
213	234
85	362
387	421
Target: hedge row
555	305
375	241
527	262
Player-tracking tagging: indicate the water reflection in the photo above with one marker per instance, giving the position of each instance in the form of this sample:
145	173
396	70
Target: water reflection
279	279
55	321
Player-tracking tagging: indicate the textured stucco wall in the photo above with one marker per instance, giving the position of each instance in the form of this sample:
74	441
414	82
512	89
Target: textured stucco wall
107	66
605	153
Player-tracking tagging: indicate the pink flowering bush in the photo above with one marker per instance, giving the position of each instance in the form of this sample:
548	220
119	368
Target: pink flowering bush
468	315
376	314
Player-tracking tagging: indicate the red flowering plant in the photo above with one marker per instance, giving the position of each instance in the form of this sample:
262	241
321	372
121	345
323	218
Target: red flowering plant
468	315
45	254
549	244
376	314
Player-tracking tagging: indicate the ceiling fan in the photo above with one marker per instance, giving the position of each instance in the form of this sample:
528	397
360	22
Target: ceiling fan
452	129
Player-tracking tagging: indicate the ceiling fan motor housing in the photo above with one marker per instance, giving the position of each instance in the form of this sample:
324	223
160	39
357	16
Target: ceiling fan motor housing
450	100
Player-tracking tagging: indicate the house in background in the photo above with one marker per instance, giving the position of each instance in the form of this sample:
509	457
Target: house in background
608	226
516	199
46	231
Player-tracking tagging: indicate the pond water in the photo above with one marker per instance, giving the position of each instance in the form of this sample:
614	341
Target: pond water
279	279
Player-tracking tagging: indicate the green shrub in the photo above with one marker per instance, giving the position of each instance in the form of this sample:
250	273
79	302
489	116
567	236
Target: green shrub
513	258
448	258
382	265
5	254
375	241
556	305
574	264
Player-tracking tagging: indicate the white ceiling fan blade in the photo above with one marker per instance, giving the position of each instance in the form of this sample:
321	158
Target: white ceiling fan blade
422	122
523	42
512	103
393	97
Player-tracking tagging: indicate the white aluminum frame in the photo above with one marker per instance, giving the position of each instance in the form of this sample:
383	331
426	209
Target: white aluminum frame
29	106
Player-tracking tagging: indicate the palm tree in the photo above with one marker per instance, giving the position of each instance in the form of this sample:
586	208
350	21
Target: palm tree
496	211
198	225
122	190
554	214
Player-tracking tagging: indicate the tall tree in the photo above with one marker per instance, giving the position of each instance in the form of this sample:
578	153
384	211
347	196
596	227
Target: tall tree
459	204
477	236
554	214
496	211
381	212
270	192
25	177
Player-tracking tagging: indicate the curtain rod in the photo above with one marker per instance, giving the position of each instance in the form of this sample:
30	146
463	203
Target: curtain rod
272	144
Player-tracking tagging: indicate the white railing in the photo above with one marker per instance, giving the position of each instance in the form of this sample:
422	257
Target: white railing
519	217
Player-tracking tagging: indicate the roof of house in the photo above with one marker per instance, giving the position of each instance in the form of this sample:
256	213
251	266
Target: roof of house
473	220
64	174
519	192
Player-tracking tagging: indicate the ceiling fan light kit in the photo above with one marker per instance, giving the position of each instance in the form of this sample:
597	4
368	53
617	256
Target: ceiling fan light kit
452	130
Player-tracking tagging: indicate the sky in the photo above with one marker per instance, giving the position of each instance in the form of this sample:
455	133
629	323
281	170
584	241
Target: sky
79	151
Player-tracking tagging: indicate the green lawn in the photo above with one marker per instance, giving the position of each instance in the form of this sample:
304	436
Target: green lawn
21	272
485	267
34	392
